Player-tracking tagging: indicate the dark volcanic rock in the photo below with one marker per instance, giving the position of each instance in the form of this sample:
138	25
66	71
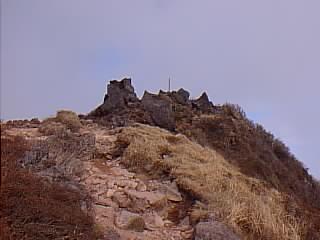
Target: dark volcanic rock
181	96
214	231
203	103
160	109
119	95
184	94
121	107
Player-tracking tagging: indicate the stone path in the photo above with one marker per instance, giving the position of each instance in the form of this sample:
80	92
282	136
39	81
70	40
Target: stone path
125	205
128	206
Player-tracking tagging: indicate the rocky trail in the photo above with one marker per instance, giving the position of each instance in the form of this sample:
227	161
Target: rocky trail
125	205
129	205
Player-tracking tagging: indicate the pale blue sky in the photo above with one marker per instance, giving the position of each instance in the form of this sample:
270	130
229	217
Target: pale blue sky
263	55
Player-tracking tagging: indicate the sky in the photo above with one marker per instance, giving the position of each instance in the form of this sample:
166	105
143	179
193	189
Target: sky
262	55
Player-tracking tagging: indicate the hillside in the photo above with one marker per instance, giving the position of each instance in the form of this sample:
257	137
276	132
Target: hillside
159	167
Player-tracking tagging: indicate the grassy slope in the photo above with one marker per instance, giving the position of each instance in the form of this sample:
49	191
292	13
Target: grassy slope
245	203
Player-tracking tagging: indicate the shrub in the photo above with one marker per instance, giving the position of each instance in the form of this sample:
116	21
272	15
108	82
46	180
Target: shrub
59	125
32	208
51	127
70	119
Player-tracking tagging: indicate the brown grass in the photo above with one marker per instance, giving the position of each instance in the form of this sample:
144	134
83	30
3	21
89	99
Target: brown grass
32	208
245	203
58	125
255	151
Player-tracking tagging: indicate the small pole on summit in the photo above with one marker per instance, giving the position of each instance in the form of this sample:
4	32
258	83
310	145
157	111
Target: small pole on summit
169	84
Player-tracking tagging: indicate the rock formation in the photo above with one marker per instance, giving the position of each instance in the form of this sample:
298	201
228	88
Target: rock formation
203	103
121	105
119	95
160	108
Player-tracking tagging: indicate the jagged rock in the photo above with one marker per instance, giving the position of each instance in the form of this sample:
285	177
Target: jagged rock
119	95
107	202
214	231
153	220
121	198
181	96
126	184
110	193
152	198
160	109
172	192
203	103
111	234
141	187
184	93
130	221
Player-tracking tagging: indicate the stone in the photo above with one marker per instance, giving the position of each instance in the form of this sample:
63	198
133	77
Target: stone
141	187
130	221
121	198
153	198
126	184
185	221
172	192
107	202
181	96
110	193
214	231
104	216
160	109
119	94
153	220
184	93
111	234
203	103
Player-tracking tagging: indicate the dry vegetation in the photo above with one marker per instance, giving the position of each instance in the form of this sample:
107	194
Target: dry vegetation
58	125
32	208
255	151
245	203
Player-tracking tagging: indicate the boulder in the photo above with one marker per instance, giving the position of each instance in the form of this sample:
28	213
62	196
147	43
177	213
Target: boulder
130	221
160	109
181	96
155	199
203	103
153	220
111	234
121	198
172	192
214	231
119	95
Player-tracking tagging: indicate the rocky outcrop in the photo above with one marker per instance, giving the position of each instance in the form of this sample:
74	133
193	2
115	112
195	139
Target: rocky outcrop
160	109
214	230
203	103
121	107
119	95
181	96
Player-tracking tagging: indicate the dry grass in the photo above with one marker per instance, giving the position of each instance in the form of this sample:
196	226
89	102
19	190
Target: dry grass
32	208
255	151
70	119
58	125
255	211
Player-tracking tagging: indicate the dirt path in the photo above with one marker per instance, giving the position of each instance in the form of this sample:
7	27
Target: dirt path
130	206
125	205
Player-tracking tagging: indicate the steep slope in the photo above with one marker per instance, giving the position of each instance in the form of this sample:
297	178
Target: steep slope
225	128
247	204
160	167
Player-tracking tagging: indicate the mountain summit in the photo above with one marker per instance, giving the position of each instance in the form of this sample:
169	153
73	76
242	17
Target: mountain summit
161	167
